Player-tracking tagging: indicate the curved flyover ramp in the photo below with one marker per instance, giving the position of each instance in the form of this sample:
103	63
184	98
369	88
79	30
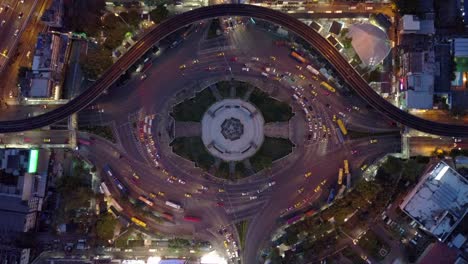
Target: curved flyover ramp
168	26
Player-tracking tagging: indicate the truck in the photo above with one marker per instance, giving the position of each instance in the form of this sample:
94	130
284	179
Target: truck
145	200
138	222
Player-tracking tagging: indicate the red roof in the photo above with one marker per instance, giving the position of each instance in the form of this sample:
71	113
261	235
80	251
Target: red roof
438	253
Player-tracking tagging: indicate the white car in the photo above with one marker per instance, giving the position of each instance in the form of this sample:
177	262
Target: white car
271	183
245	69
253	197
181	181
255	59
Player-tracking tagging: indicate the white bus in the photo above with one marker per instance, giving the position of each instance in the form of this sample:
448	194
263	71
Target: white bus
103	188
173	205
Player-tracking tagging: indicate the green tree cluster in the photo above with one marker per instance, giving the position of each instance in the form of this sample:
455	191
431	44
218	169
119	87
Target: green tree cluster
159	13
177	243
105	226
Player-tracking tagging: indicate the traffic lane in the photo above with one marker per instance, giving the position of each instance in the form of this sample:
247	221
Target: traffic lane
211	215
14	23
25	48
260	228
36	137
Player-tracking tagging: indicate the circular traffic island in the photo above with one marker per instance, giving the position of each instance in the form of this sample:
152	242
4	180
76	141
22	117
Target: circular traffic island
228	139
232	130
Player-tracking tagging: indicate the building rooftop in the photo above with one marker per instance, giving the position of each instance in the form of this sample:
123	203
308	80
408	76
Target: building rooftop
420	90
412	24
316	26
438	253
335	28
460	47
439	201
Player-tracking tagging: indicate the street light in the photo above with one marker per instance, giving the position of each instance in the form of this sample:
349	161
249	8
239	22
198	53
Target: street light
118	15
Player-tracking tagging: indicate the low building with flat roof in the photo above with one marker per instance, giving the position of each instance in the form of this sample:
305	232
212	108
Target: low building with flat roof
439	201
412	24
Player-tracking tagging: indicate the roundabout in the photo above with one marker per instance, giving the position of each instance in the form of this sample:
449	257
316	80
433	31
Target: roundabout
232	129
169	109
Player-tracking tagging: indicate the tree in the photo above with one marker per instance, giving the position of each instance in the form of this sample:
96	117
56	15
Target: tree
132	17
105	227
178	243
411	170
274	256
392	165
159	14
96	62
154	2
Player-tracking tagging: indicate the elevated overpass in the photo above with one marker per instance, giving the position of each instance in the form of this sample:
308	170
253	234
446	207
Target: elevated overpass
354	80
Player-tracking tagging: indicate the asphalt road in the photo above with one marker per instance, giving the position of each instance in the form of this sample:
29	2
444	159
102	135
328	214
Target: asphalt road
322	157
321	44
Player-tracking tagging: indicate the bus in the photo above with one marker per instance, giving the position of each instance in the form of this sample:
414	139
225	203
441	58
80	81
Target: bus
325	85
310	212
192	219
145	200
168	216
84	142
312	70
342	127
294	219
340	176
298	57
331	196
104	190
120	185
346	167
138	222
173	205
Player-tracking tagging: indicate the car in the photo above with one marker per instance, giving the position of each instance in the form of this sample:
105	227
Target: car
20	15
161	194
210	68
135	176
152	195
204	188
253	197
273	58
298	67
233	59
221	190
364	167
300	190
143	76
183	66
188	195
308	174
244	194
334	118
220	204
245	69
354	151
271	183
314	93
314	77
302	77
46	140
255	59
220	54
195	61
372	141
170	180
3	22
181	181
